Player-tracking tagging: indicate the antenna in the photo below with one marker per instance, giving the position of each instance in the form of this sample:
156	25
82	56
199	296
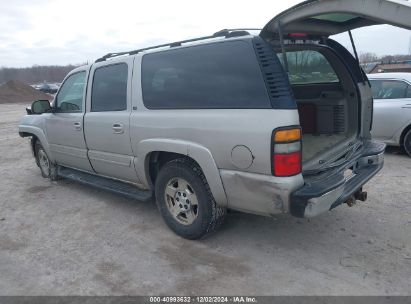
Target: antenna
409	50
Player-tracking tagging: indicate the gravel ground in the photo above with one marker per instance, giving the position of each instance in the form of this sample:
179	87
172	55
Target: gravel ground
62	238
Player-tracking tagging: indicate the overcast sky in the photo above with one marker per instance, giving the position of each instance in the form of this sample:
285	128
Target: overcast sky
46	32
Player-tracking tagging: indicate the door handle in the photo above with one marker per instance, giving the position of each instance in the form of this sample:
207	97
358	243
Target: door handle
77	126
118	128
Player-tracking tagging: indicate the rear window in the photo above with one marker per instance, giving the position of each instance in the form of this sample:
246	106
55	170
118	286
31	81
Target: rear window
336	17
389	89
220	75
308	66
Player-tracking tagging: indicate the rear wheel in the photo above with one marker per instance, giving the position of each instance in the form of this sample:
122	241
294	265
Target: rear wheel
407	143
185	200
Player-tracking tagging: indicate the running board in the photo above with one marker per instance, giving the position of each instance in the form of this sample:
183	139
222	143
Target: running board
104	183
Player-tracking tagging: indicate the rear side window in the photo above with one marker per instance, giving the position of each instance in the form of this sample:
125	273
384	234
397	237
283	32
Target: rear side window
389	89
109	91
220	75
308	66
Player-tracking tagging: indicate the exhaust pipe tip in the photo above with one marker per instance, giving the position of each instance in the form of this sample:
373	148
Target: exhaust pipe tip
350	201
358	196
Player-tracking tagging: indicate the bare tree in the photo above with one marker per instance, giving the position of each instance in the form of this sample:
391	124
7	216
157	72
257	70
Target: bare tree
368	57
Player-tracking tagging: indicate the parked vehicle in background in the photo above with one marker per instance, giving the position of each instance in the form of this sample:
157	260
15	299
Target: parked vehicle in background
48	88
392	108
216	123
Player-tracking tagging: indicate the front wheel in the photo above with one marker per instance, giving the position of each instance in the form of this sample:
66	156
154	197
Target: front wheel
47	168
185	200
407	143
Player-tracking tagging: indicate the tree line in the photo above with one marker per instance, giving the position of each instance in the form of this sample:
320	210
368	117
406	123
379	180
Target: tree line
35	74
372	57
55	73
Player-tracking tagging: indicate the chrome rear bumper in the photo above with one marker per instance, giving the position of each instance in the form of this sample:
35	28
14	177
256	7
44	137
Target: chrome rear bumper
324	194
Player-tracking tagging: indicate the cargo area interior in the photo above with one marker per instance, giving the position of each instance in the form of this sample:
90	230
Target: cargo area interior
327	101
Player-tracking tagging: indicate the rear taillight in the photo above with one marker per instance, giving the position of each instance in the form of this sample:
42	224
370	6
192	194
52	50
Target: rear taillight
286	152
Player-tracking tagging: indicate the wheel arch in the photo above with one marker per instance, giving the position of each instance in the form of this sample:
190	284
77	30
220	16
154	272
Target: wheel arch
403	133
153	153
36	134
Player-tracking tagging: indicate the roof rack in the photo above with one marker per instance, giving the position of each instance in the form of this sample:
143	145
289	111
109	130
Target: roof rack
226	33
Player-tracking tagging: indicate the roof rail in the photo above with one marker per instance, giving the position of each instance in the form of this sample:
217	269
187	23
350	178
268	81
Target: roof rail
226	33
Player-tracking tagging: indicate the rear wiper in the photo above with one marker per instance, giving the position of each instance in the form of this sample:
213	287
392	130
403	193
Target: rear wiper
317	171
353	149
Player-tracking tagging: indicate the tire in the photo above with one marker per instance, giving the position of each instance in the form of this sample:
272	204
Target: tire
407	143
47	168
185	201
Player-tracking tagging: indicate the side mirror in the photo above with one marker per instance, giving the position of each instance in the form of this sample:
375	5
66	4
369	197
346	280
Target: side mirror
40	107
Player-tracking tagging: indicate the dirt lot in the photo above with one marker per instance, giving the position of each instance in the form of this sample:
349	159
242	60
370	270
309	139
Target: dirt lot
60	238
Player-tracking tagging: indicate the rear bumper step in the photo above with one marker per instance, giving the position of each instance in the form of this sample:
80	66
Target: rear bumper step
103	183
323	194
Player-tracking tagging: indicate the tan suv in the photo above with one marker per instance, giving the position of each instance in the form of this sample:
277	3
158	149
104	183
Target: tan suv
272	123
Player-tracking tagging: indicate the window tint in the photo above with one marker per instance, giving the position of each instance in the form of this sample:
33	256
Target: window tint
309	67
221	75
409	92
388	89
109	91
70	96
336	17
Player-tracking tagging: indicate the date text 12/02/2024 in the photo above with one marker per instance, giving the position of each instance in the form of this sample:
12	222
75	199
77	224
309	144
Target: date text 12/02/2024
206	299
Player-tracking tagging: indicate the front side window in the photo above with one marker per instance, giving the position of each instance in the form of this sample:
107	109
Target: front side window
71	94
109	91
308	66
215	76
388	89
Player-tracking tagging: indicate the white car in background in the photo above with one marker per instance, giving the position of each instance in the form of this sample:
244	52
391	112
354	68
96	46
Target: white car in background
392	108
